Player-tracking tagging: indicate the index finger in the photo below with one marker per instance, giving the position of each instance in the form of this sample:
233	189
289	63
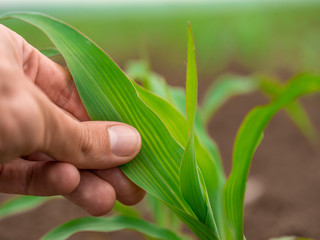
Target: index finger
53	79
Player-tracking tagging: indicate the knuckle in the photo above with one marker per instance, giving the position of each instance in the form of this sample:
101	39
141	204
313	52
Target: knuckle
20	120
86	141
64	98
93	145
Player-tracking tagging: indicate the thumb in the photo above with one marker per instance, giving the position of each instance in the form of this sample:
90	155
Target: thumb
89	145
95	144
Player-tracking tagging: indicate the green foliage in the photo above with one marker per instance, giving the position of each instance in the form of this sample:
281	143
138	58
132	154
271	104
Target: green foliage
50	52
179	164
161	215
223	89
119	208
247	140
141	73
225	32
294	109
107	225
156	168
190	184
20	204
291	238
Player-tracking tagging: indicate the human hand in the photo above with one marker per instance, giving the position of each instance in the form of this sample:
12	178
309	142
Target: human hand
47	141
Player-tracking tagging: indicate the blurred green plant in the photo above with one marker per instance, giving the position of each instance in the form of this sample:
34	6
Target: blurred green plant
291	238
20	204
232	37
179	164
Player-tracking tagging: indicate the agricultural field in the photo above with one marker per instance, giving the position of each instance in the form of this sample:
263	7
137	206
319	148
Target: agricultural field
247	55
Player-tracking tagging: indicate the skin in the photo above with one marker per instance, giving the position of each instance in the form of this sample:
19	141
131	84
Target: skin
48	145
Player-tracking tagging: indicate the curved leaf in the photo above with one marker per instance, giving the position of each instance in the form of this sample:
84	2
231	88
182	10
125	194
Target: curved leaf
295	109
108	94
248	138
291	238
108	225
161	215
50	52
209	163
111	96
124	210
223	89
190	183
140	72
21	204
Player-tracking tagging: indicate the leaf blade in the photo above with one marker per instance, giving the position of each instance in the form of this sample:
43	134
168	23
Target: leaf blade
190	183
107	225
50	52
222	90
246	143
21	204
294	109
207	162
108	94
191	82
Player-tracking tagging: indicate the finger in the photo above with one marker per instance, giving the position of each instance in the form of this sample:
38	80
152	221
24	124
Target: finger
93	194
91	145
57	83
38	157
127	192
33	123
38	178
54	80
22	124
87	145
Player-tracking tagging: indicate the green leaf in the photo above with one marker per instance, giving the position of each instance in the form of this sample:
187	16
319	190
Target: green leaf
298	115
208	164
190	183
170	116
158	211
208	158
124	210
108	94
21	204
270	87
191	83
291	238
201	230
108	99
294	109
246	142
50	52
108	225
140	71
161	215
222	90
178	99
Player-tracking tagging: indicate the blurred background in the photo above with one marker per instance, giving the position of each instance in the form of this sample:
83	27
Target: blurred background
275	38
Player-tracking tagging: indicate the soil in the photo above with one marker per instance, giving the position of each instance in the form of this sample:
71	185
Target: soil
285	173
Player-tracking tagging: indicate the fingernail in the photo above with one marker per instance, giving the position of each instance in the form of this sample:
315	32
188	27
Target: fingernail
124	140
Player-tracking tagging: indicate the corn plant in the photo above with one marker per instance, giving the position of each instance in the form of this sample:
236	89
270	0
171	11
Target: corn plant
179	164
